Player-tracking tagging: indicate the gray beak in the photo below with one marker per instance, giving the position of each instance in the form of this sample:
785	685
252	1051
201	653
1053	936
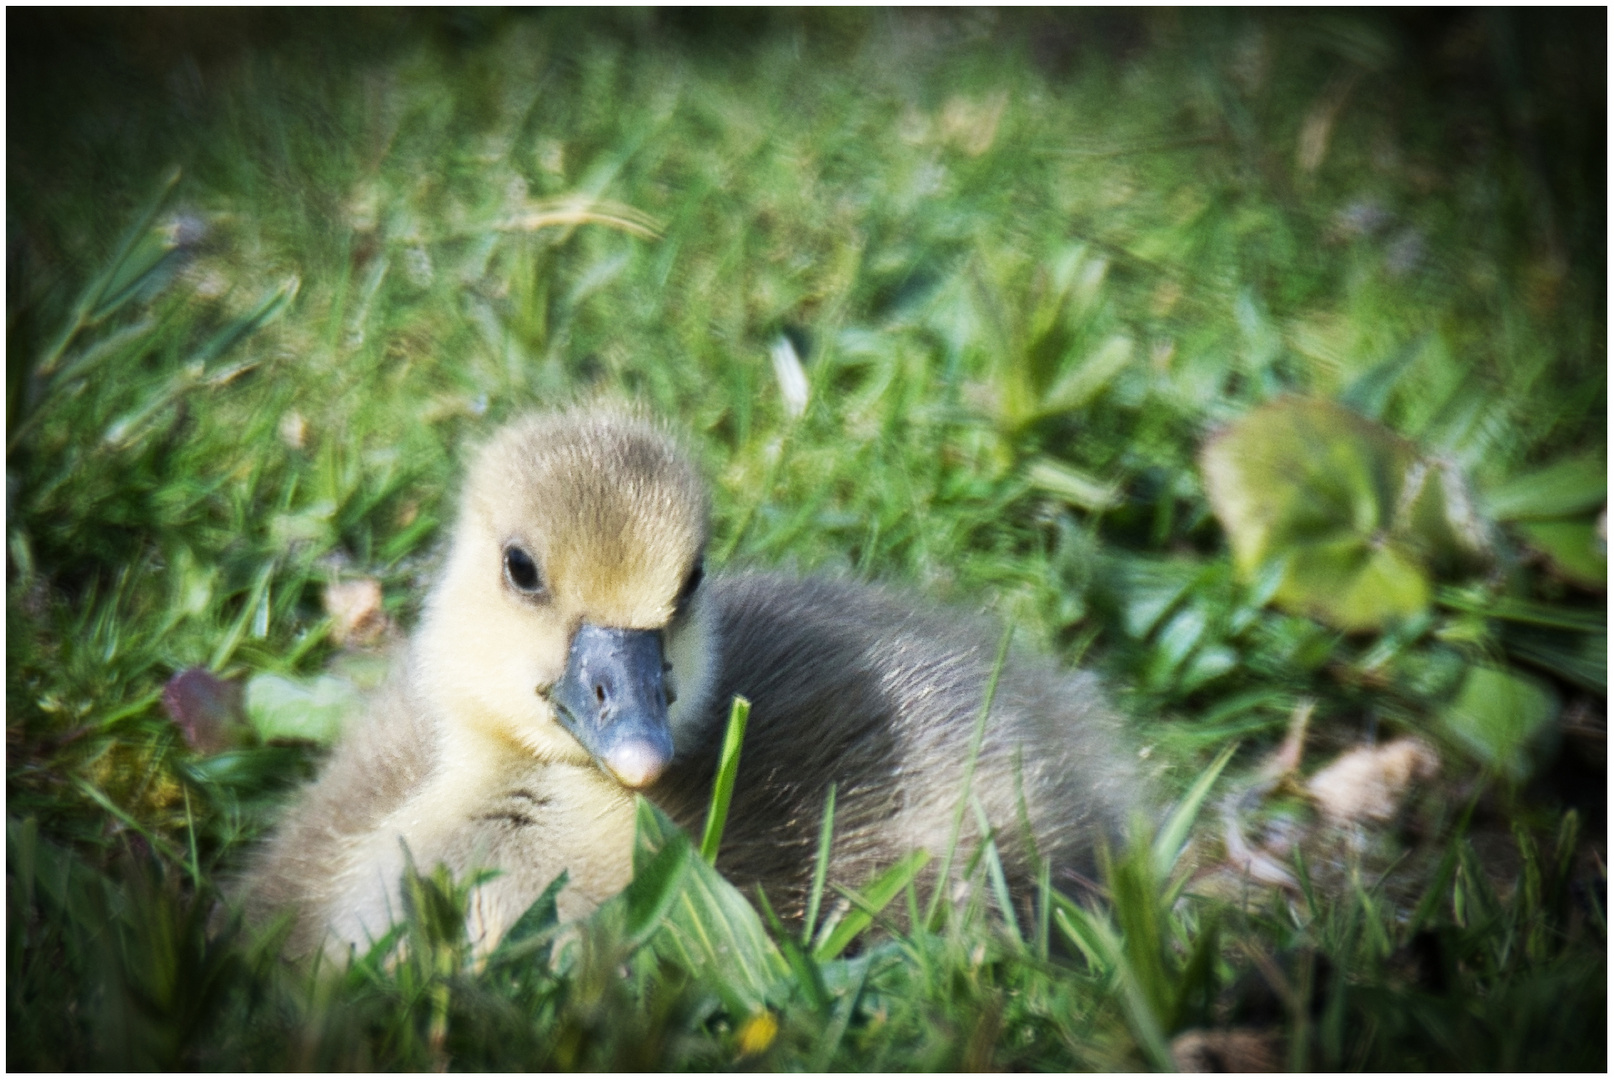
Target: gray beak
613	701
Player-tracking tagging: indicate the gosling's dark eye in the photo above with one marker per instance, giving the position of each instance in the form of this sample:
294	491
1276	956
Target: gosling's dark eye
691	583
521	572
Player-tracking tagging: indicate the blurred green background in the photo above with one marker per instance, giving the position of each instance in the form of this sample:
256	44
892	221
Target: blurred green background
1256	359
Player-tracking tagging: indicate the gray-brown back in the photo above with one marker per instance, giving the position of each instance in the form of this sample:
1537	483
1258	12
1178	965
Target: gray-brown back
858	685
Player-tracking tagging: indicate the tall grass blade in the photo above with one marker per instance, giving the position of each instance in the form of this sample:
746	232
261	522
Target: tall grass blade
1076	924
869	903
1168	843
269	308
92	304
802	965
1111	954
1045	907
976	739
227	645
728	767
826	837
994	874
1530	612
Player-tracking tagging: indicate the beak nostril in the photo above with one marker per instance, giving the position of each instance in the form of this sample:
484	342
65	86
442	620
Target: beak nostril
599	694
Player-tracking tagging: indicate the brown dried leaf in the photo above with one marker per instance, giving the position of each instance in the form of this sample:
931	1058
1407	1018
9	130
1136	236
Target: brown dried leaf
357	617
1370	782
1285	761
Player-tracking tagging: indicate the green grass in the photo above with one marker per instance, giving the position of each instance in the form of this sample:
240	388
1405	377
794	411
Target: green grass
1030	263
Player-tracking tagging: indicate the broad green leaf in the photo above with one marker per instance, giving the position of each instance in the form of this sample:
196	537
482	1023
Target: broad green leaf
1354	585
247	771
533	931
1300	471
1179	636
1340	502
282	708
705	925
1442	518
1563	489
658	881
1497	716
1150	588
1209	663
1574	548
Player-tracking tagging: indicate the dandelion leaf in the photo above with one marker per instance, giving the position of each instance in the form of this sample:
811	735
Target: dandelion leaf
1345	506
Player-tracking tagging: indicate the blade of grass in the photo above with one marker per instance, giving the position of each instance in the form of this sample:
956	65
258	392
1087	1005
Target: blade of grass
1196	983
157	843
1075	923
1137	905
1045	906
1443	881
274	302
1531	612
826	834
870	903
728	767
226	646
190	835
1174	833
994	873
976	739
85	311
1105	949
802	966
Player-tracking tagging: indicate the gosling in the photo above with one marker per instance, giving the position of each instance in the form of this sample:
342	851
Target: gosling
573	652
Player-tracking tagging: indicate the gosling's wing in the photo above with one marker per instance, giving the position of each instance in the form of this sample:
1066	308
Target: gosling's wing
861	686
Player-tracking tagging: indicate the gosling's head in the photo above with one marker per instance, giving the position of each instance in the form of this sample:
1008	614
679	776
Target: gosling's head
568	616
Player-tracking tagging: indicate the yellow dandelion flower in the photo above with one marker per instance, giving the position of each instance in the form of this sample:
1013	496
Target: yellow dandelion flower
757	1033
